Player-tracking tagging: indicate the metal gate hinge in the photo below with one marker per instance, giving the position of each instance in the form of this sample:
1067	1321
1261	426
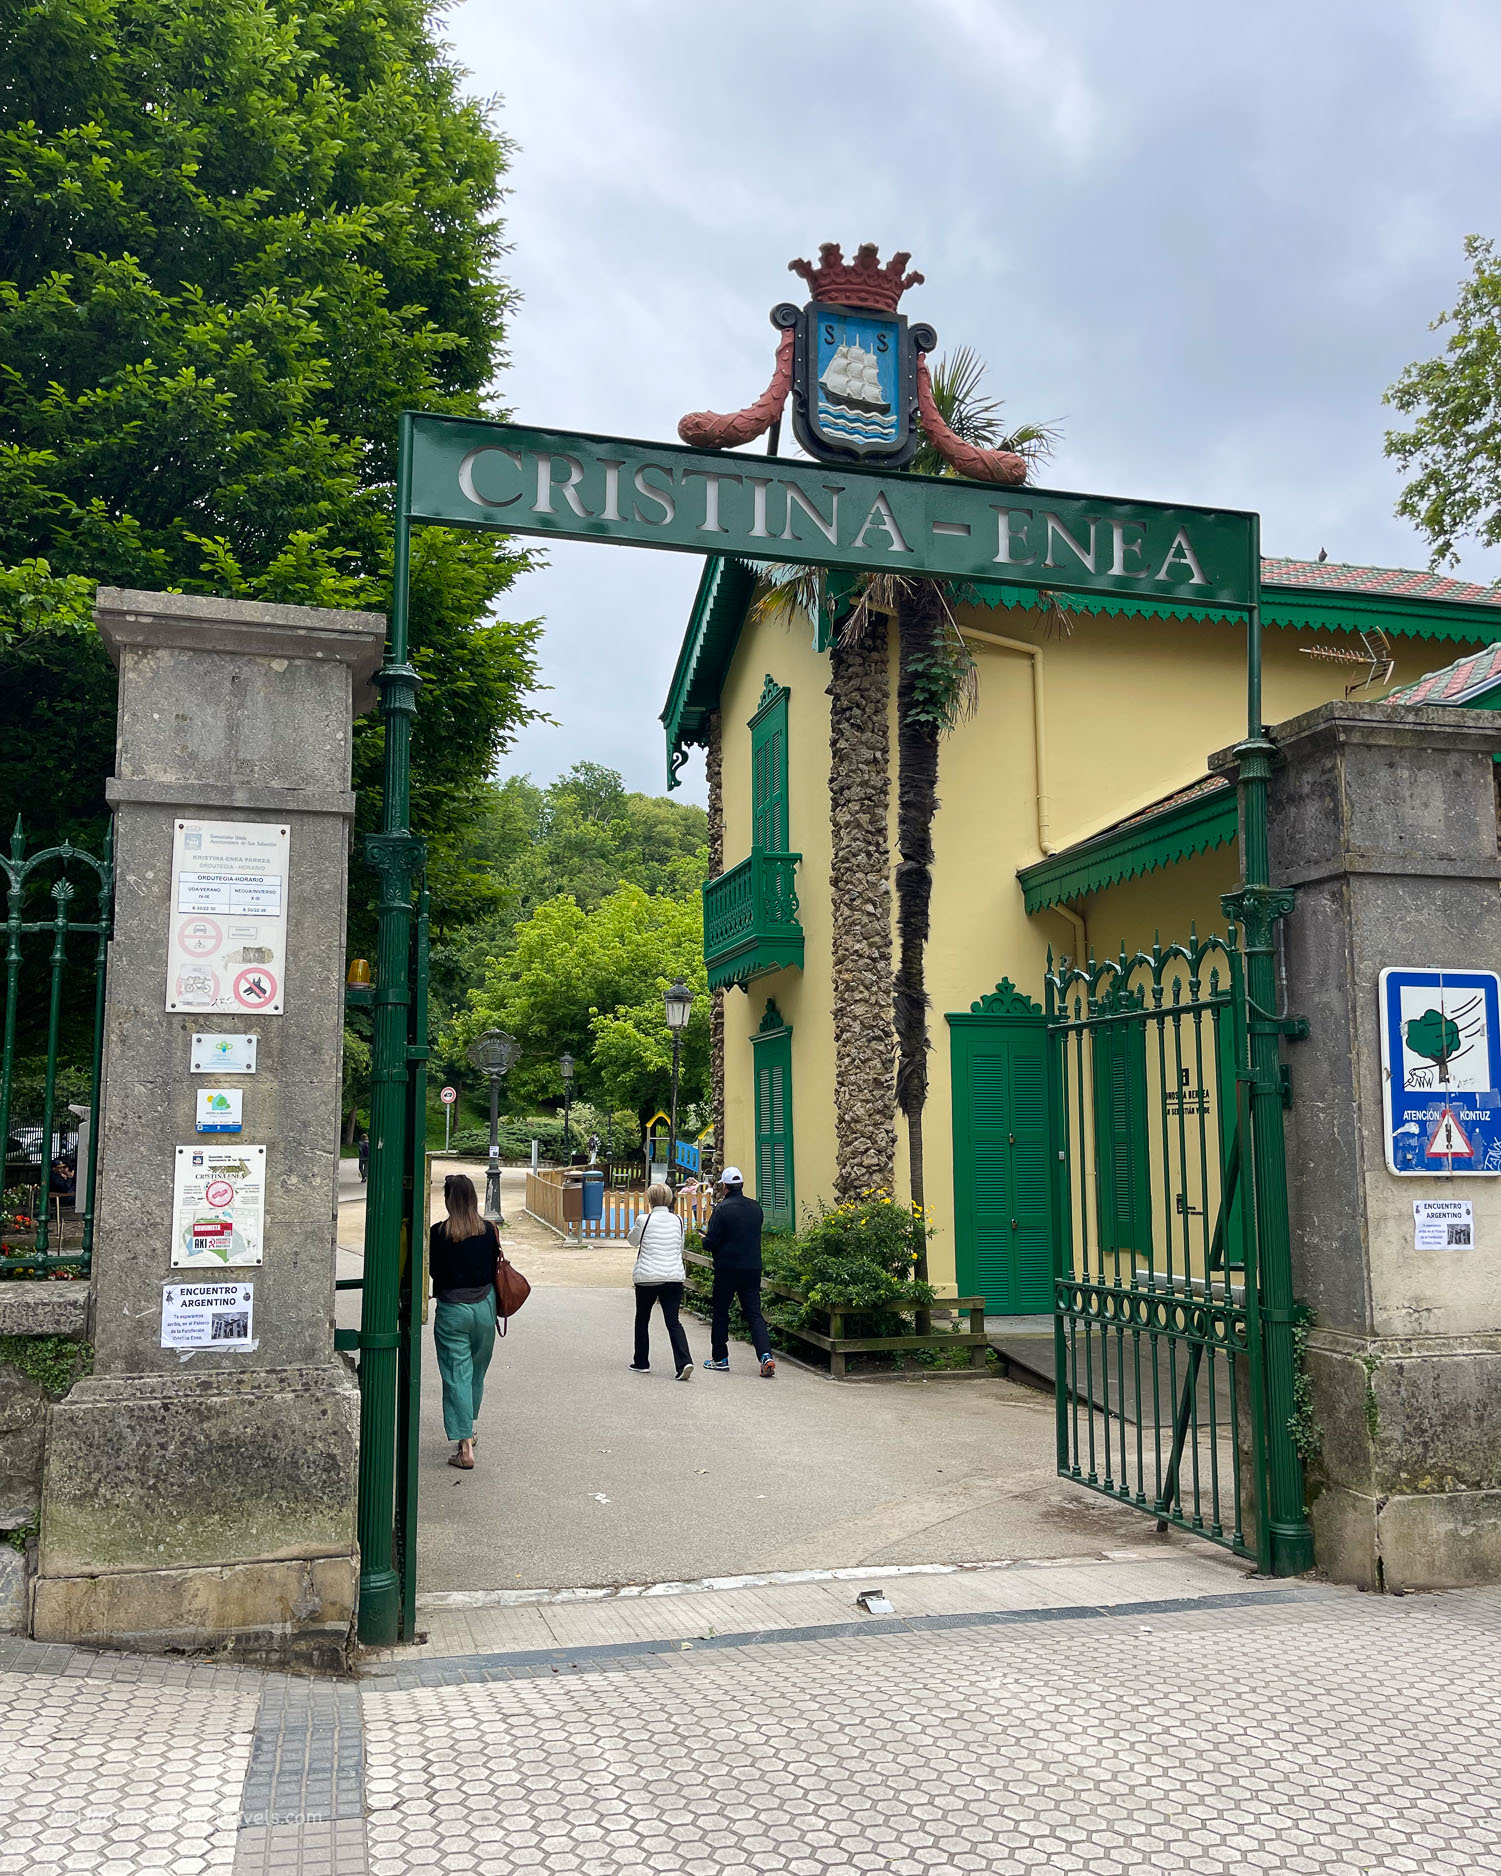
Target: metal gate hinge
1295	1028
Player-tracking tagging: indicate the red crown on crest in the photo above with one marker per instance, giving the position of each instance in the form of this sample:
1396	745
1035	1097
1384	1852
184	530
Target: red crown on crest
867	283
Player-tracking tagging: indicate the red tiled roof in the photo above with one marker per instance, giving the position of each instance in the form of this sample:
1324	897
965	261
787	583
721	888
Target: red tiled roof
1476	671
1205	785
1399	582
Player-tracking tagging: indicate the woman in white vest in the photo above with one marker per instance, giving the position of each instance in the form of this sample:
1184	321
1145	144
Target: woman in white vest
659	1277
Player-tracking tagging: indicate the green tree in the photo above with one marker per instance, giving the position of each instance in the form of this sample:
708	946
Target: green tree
237	237
1454	444
592	983
584	835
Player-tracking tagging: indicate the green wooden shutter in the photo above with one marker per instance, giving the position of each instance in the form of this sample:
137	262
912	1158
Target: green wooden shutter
768	729
772	1052
1002	1188
1122	1157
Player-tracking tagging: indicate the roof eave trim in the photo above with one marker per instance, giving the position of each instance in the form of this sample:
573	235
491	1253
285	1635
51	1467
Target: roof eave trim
1312	609
725	582
1158	840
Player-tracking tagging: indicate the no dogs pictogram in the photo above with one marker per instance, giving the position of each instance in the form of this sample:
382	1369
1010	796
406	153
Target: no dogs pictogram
255	988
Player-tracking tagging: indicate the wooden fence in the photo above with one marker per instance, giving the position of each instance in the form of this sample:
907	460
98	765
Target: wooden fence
559	1204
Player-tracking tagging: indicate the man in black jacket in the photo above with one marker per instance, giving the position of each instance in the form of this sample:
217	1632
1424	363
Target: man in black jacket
733	1240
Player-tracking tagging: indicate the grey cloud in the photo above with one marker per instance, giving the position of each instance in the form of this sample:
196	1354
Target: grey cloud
1205	237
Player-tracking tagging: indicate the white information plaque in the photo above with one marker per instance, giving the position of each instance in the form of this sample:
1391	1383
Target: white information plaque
208	1315
223	1055
218	1206
220	1110
226	939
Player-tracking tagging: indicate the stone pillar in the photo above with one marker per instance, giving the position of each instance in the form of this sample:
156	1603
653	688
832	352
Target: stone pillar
208	1499
1385	820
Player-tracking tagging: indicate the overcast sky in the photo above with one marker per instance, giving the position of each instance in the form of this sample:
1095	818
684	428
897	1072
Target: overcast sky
1202	237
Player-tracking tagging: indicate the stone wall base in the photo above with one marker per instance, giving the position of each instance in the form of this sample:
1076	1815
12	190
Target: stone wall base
295	1612
1406	1490
1416	1540
214	1506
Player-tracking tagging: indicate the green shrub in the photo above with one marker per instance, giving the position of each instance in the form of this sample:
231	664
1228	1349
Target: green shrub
857	1258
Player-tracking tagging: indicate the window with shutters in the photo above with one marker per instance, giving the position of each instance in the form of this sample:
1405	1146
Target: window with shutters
1122	1155
768	728
1002	1172
772	1065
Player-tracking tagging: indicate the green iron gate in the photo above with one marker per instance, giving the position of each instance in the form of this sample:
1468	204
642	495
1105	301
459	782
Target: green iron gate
1168	1259
390	1346
53	1037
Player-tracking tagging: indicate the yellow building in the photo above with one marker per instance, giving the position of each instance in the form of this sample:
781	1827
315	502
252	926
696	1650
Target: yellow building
1077	816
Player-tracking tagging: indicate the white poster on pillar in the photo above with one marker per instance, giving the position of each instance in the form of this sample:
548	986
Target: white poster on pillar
227	935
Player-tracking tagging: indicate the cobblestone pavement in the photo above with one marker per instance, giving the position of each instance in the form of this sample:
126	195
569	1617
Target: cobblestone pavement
1306	1730
114	1765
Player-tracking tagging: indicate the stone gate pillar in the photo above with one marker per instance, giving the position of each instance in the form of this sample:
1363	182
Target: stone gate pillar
205	1495
1385	820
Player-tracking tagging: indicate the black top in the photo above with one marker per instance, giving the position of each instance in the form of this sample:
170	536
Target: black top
733	1236
468	1264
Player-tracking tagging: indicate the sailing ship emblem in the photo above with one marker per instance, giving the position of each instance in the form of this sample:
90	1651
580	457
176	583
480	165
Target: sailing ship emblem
854	390
857	360
857	373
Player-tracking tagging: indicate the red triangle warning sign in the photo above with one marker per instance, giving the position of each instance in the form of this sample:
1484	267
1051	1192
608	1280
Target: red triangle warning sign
1448	1139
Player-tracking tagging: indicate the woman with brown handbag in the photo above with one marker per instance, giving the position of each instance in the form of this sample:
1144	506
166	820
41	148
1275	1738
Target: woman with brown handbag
463	1255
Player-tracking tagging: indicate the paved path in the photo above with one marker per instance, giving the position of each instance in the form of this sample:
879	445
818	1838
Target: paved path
591	1475
1259	1727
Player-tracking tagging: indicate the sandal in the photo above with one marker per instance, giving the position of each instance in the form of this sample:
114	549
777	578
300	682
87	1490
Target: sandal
458	1459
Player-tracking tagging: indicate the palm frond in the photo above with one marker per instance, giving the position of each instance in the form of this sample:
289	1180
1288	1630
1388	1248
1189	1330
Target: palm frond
975	418
784	589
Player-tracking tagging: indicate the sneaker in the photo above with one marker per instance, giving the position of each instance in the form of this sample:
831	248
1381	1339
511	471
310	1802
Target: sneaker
711	1363
636	1368
768	1367
685	1373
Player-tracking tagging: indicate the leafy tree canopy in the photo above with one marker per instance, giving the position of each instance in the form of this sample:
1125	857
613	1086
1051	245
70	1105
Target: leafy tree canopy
584	835
236	238
592	983
1454	400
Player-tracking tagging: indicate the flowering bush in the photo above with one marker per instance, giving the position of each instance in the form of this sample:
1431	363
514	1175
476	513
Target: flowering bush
857	1258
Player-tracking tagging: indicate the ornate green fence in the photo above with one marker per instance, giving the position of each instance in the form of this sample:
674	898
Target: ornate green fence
57	927
1162	1395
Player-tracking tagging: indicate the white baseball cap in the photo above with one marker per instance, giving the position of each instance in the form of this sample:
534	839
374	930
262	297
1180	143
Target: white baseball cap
732	1176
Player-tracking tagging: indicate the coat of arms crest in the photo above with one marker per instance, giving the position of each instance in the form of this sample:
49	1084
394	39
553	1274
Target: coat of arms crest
858	375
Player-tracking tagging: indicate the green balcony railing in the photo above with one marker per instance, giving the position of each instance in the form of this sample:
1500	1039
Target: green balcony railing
750	919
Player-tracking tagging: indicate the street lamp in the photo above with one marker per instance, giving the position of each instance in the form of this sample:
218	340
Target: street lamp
565	1069
492	1053
679	1003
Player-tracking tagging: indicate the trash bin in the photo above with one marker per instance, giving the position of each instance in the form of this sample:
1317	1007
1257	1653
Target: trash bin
573	1195
594	1194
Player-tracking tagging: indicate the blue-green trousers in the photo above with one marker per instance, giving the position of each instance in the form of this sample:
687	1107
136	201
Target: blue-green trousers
464	1334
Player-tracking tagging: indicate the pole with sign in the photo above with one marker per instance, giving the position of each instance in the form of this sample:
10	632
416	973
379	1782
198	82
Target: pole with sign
448	1095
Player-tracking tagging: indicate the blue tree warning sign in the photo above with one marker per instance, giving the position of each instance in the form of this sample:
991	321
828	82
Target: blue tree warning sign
1441	1071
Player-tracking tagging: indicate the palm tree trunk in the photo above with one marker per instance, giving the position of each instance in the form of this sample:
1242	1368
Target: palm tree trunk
860	890
714	764
920	628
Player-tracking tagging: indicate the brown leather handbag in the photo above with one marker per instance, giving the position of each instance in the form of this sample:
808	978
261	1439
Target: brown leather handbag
511	1288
